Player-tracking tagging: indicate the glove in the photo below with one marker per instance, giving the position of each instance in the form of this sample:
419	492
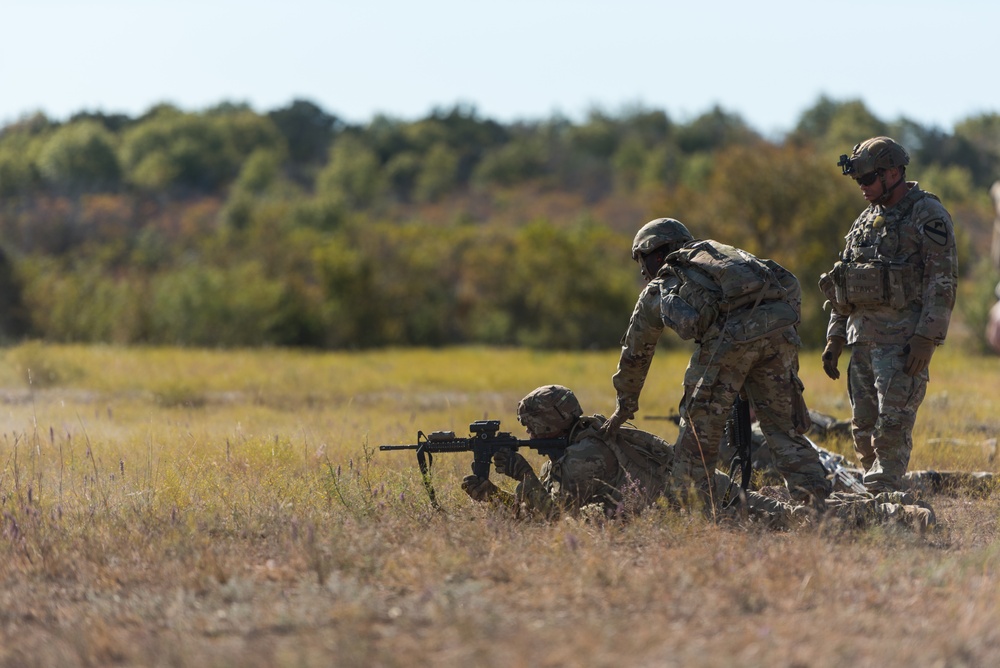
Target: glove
478	489
918	354
617	419
831	355
512	464
611	425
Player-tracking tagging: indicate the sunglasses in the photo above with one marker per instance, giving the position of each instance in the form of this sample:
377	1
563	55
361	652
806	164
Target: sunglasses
867	179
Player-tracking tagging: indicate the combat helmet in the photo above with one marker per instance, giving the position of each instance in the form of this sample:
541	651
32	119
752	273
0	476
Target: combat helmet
657	233
549	409
873	154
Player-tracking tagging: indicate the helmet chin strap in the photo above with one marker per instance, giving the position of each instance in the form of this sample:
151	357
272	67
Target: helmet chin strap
887	192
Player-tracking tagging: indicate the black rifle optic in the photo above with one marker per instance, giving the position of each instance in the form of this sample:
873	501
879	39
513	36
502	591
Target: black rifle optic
485	440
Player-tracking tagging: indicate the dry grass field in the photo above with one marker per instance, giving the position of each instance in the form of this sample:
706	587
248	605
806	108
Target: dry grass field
163	507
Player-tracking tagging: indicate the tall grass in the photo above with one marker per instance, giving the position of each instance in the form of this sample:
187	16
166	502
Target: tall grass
191	507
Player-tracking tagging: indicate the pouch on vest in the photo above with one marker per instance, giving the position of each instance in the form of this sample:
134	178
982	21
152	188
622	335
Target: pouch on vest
680	316
863	284
644	457
834	295
752	324
898	280
877	284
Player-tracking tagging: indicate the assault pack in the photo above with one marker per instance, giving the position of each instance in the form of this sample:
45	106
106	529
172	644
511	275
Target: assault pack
645	458
710	284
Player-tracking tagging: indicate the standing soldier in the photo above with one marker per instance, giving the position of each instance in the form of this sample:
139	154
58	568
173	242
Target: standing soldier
742	312
891	297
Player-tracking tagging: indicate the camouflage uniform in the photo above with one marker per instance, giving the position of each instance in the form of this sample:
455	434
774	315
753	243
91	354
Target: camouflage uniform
977	483
723	364
886	508
915	237
629	469
622	474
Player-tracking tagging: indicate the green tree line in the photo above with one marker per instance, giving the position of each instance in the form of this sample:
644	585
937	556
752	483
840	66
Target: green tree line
229	227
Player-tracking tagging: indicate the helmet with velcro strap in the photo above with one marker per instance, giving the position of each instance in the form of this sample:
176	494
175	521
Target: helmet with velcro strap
659	233
549	409
877	153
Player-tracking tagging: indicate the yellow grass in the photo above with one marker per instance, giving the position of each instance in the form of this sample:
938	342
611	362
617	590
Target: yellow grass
170	507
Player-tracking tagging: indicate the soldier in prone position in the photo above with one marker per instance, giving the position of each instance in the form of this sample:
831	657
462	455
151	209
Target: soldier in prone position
624	472
592	470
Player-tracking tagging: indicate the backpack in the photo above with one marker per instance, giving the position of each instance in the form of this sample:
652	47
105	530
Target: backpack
706	279
644	459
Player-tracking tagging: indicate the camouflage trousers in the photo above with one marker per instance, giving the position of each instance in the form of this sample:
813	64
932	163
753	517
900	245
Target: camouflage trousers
768	370
884	401
728	500
886	508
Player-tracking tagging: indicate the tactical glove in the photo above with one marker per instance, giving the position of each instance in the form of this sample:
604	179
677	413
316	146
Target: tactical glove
478	489
831	355
617	419
512	464
918	354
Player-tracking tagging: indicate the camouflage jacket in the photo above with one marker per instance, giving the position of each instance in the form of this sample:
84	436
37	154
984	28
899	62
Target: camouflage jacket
622	475
727	330
596	469
639	346
916	232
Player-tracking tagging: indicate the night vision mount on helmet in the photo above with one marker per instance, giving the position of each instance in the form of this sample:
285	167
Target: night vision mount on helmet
871	155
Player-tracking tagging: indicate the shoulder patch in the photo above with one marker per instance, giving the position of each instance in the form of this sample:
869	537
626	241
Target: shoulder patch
937	232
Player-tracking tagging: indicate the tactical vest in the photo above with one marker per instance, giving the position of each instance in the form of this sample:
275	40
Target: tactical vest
644	458
710	284
864	277
876	283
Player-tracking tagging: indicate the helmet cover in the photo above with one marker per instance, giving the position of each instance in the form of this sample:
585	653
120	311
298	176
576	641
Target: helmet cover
658	233
549	409
872	154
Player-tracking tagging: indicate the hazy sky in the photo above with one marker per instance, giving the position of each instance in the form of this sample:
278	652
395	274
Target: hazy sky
933	62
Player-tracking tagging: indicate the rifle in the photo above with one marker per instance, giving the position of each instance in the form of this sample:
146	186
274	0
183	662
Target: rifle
740	439
834	467
673	417
484	441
